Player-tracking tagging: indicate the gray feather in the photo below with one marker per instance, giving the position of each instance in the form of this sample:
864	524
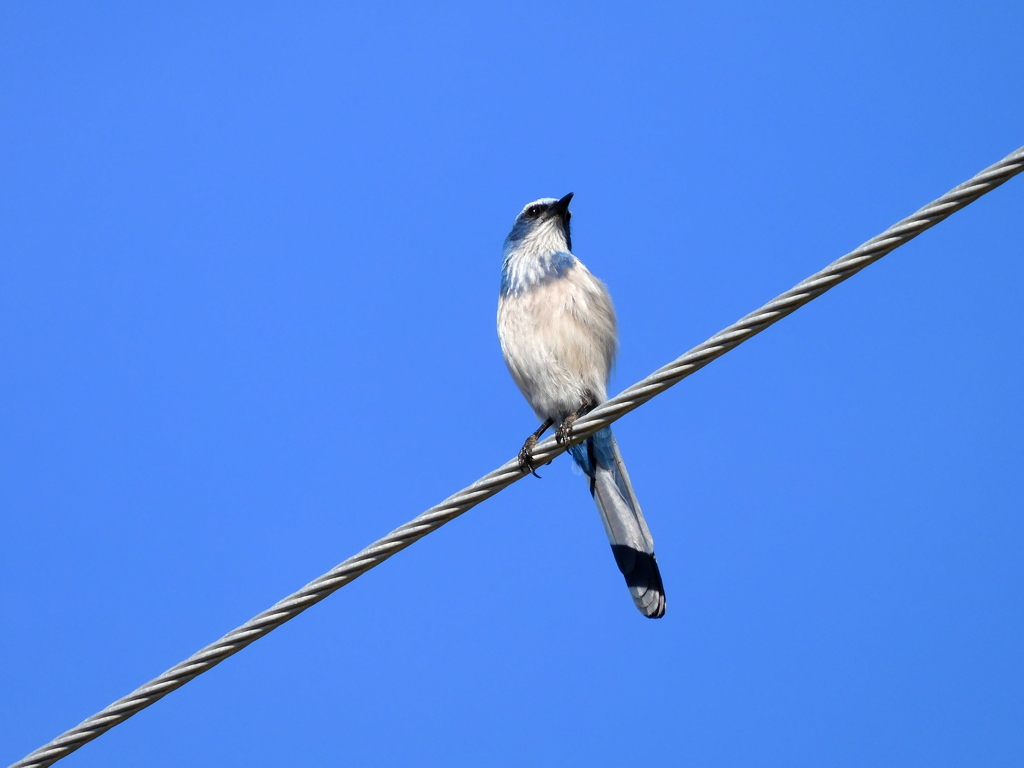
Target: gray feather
628	534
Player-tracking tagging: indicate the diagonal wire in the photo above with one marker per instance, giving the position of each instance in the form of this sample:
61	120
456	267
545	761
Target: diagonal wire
508	473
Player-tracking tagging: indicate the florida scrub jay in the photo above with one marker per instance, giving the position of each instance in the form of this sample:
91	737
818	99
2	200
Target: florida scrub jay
558	335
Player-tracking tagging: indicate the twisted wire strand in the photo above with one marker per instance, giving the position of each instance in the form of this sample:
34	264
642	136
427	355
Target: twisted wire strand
508	473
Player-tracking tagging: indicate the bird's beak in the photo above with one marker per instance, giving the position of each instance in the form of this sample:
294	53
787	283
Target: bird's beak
561	207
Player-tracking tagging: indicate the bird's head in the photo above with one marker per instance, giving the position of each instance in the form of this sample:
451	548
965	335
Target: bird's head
542	226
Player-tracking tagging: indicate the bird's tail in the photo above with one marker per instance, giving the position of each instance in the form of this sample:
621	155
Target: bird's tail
632	544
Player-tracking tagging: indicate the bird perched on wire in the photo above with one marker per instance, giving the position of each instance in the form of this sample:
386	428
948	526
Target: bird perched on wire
558	335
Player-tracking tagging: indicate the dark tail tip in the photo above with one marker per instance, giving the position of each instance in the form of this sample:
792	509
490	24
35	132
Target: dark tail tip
643	579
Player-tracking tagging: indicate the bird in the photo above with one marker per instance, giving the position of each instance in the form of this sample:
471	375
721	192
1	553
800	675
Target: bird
558	334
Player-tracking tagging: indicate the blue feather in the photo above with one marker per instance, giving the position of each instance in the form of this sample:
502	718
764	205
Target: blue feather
601	445
516	278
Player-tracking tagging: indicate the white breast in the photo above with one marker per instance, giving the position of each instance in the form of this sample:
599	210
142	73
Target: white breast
559	341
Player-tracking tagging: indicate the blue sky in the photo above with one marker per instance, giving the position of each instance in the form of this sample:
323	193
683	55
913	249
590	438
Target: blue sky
249	278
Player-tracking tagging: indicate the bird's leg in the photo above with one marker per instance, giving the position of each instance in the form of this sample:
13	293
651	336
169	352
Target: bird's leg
564	432
526	454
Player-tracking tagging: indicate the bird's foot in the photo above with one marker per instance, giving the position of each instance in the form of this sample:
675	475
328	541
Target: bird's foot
564	432
526	456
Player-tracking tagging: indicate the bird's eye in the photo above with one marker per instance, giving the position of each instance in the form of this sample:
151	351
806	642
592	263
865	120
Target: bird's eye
534	211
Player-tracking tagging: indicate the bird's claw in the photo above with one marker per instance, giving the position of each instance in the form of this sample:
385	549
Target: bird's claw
526	456
563	435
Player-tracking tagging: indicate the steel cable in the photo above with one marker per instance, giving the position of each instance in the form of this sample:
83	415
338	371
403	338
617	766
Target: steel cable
508	473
